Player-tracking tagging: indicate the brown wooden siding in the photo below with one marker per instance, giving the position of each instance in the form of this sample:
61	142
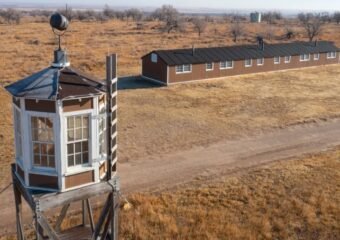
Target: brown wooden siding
21	172
76	105
40	106
16	102
102	169
199	70
79	179
156	71
102	99
43	181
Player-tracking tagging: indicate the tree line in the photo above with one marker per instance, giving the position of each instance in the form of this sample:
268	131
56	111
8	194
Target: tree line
173	21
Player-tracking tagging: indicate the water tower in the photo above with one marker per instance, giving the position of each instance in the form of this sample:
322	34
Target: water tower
65	124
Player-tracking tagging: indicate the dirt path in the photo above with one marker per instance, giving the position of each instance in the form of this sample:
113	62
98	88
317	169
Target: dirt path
169	170
173	169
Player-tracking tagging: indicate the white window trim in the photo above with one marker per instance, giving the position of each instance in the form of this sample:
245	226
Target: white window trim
251	63
226	65
18	158
289	59
206	67
260	64
89	163
316	58
331	55
39	169
78	168
154	57
278	62
303	59
183	72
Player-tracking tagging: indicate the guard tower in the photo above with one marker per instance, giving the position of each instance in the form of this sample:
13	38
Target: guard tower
65	124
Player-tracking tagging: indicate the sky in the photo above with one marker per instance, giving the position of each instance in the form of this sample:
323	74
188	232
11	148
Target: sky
331	5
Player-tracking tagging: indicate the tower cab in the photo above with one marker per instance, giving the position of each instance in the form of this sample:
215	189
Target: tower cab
60	128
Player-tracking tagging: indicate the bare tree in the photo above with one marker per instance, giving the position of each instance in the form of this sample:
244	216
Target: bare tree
170	16
271	17
101	17
289	32
325	17
199	25
134	13
336	17
108	12
312	23
11	15
236	31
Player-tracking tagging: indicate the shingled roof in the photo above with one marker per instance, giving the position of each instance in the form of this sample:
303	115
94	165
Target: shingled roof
216	54
56	83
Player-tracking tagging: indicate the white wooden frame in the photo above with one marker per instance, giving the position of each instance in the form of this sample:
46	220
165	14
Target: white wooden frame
260	64
209	69
43	170
279	60
248	65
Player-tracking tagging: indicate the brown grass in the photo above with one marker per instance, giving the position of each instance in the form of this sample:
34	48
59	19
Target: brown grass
154	121
151	119
296	199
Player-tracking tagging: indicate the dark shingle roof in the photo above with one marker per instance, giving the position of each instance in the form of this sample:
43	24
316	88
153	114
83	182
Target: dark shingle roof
216	54
56	83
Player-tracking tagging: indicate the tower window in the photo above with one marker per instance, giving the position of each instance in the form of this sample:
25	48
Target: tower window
43	142
77	140
18	134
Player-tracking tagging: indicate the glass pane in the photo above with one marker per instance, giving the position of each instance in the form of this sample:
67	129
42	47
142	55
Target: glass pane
51	162
78	159
78	134
77	147
41	122
70	122
85	146
85	133
78	122
36	148
50	135
34	122
85	157
50	149
49	123
70	135
35	134
70	148
70	160
85	121
36	160
44	161
42	135
43	148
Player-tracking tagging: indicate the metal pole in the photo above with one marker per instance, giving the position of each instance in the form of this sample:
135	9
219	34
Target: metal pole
109	77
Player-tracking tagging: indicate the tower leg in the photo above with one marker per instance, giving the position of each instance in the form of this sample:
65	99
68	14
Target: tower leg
18	210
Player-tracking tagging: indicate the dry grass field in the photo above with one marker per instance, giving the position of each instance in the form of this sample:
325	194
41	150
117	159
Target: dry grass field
295	199
157	120
298	199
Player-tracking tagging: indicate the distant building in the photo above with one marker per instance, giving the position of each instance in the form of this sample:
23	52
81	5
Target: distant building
255	17
183	65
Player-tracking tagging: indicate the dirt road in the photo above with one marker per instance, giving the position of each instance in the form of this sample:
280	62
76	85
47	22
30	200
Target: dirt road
169	170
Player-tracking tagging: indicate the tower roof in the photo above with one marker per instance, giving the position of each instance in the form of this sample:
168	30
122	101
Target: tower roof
56	83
